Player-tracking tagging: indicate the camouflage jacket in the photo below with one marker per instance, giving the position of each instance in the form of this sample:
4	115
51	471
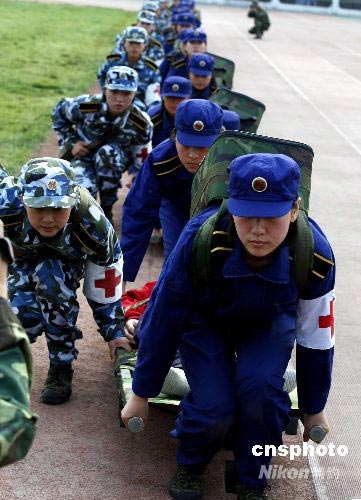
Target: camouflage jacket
17	422
163	20
88	240
149	78
153	50
86	118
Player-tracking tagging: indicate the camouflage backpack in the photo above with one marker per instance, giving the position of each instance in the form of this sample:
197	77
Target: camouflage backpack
249	110
210	186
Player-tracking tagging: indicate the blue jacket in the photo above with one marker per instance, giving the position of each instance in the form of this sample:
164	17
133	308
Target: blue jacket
240	300
162	179
163	124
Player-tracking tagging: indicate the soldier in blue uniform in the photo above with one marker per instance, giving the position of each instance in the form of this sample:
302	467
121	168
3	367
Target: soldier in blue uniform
192	41
175	90
163	187
60	236
180	22
200	72
135	42
104	135
235	333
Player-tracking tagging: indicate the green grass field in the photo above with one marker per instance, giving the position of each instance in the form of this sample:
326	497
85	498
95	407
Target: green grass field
47	52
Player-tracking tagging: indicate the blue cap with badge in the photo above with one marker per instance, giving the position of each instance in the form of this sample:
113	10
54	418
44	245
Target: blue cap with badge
201	64
263	185
195	35
198	123
186	19
176	86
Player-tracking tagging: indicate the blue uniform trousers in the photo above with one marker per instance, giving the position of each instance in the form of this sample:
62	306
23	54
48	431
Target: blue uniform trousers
242	392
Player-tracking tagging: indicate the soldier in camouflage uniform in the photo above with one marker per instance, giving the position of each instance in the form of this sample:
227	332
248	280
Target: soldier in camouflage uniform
104	135
154	48
60	236
135	42
261	20
17	422
163	17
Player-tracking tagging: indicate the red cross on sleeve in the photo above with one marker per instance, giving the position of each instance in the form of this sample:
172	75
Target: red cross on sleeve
109	283
142	154
328	321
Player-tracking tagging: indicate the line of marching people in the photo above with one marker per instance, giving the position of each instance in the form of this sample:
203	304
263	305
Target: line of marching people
234	334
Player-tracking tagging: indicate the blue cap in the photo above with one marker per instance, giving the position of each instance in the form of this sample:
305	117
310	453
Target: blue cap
198	122
263	185
185	19
194	36
176	86
231	120
201	64
189	3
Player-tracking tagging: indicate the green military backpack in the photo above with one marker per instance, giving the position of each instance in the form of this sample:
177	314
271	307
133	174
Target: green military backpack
210	187
223	71
249	110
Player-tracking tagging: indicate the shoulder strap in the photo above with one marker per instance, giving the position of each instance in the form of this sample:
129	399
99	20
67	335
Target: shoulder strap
150	63
210	241
202	246
138	120
79	231
82	207
90	107
167	166
302	250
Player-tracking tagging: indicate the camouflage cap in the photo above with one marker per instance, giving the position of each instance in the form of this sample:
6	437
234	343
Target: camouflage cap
152	6
121	78
48	182
146	17
136	34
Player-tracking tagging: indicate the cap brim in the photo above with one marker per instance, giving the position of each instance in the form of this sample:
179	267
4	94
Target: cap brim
49	201
175	94
196	141
135	40
200	72
120	87
254	208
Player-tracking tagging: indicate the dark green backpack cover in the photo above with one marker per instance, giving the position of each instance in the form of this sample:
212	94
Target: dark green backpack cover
223	71
210	186
249	110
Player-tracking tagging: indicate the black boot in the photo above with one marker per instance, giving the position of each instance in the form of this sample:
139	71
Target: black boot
57	386
186	485
246	493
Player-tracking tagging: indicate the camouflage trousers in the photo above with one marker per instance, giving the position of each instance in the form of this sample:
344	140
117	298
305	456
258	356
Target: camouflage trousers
102	172
43	296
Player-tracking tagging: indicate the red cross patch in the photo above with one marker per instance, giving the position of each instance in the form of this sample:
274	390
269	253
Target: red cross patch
328	321
142	154
109	283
